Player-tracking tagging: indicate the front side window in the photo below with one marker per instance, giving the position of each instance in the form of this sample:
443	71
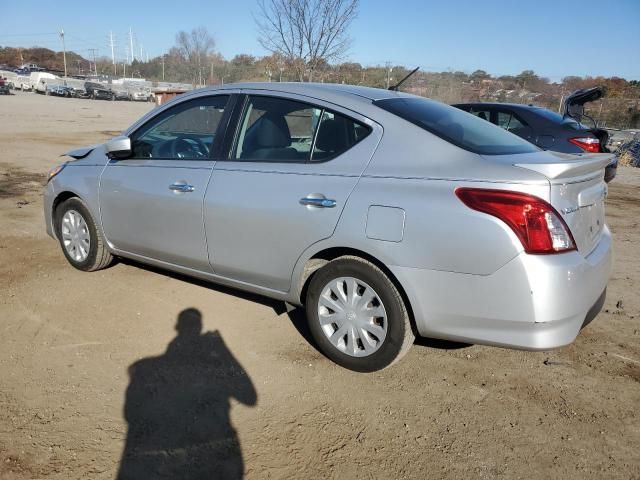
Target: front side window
281	130
186	131
456	126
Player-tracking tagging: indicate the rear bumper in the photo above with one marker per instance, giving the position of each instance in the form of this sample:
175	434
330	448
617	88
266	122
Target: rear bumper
534	302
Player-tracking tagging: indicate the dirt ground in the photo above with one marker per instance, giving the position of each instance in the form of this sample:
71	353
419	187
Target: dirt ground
91	363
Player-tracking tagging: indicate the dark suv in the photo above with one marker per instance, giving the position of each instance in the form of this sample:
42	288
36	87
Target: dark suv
98	91
550	130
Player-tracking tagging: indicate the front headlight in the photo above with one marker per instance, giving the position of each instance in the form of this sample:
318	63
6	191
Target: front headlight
55	171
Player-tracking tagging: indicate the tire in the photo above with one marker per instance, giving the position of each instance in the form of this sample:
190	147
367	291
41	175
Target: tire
369	280
98	256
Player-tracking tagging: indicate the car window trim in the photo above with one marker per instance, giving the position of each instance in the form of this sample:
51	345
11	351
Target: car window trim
219	130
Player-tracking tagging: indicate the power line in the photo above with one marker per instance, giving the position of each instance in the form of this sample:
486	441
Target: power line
28	34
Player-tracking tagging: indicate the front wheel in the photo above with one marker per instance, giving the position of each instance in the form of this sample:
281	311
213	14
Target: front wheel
357	315
80	238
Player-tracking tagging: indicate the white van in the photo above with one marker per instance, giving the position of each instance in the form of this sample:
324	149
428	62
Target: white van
22	82
39	81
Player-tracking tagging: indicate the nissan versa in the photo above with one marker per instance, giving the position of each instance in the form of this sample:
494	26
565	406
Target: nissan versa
385	214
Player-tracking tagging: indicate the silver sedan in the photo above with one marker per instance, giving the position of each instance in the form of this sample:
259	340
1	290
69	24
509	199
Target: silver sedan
384	214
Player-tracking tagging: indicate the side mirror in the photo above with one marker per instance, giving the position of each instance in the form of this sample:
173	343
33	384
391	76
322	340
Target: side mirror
118	148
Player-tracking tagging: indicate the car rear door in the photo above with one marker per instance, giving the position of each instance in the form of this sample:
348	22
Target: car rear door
151	203
272	198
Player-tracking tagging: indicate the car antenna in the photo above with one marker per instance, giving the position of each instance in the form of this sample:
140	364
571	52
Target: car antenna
397	85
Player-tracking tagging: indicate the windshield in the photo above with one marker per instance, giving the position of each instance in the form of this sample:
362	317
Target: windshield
457	126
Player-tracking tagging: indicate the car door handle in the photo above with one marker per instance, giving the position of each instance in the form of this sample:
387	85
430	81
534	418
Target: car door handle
181	187
318	202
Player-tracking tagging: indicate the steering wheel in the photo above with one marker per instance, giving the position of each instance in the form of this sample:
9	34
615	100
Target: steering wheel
183	147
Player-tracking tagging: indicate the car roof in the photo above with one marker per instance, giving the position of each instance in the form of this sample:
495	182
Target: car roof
316	90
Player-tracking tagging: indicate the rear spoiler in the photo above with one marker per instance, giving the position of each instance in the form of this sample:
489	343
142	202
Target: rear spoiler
571	165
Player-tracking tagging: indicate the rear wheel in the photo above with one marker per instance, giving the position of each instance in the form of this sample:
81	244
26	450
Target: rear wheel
357	315
80	238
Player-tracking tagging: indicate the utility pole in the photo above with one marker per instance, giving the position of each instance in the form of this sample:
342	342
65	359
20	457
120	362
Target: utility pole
64	52
163	55
389	70
95	66
113	56
131	45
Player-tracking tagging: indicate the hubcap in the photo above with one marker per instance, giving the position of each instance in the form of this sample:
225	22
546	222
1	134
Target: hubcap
352	316
75	235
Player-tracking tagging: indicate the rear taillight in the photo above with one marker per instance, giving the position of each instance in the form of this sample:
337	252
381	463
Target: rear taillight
534	221
588	144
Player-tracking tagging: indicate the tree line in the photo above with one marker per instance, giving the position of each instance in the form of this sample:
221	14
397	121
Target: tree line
307	40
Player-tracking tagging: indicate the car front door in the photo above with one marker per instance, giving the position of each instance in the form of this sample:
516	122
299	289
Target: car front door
283	186
151	203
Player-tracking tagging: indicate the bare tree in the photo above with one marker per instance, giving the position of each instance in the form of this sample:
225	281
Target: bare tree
195	47
306	32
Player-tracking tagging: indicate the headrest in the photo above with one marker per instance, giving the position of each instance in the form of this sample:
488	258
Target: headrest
272	132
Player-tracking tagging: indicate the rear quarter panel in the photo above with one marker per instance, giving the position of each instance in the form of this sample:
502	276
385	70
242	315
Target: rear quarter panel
418	173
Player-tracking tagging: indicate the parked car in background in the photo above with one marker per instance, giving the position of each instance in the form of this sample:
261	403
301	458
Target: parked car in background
121	95
98	91
60	91
22	82
141	96
383	213
547	129
39	81
4	86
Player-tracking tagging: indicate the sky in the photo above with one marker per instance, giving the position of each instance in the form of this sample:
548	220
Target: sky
554	38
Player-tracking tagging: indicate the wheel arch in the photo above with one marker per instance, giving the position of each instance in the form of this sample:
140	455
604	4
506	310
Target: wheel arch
326	255
61	197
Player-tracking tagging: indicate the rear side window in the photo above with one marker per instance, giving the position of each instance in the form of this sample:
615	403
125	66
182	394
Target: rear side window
456	126
278	130
509	121
336	134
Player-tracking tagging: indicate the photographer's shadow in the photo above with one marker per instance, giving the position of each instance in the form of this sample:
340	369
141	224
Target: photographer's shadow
177	409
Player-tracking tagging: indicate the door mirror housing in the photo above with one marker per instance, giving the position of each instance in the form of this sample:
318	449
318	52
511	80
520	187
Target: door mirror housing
119	147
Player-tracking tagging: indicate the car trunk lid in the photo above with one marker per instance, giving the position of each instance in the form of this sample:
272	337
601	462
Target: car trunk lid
573	105
577	191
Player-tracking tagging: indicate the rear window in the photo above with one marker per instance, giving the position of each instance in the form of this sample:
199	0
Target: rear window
457	126
559	119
